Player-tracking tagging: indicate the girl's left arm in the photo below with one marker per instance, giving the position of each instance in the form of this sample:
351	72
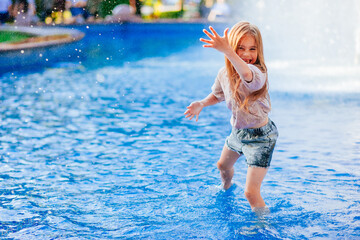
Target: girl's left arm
222	44
195	108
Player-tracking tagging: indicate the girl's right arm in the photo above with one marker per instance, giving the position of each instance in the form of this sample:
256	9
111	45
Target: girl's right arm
195	108
222	44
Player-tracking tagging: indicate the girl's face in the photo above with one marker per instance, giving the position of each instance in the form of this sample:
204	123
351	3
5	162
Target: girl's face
247	49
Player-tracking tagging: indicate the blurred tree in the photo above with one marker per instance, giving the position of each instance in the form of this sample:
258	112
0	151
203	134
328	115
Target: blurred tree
47	8
39	7
107	6
58	5
93	7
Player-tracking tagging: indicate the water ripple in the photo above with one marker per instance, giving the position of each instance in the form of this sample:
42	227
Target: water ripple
105	152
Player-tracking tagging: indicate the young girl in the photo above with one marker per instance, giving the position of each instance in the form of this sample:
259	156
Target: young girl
243	84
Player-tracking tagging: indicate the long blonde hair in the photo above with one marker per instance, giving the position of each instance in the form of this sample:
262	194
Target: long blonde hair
237	32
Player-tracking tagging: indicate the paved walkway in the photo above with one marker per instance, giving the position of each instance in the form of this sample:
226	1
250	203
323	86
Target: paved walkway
73	35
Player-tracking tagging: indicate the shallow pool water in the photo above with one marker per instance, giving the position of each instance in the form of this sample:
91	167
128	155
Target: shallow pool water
101	150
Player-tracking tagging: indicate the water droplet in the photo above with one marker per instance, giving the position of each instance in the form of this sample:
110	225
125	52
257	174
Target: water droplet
100	78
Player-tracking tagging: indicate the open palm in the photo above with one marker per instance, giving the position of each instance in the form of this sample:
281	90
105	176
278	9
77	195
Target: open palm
216	41
193	110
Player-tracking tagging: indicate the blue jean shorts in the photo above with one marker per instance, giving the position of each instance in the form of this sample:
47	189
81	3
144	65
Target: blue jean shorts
256	144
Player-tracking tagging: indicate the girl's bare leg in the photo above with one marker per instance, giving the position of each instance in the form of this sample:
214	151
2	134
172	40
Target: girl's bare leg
226	166
254	178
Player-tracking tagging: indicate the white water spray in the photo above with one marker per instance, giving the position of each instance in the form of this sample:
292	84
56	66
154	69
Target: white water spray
309	45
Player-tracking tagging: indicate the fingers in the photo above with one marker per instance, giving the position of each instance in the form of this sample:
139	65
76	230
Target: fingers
226	32
206	41
187	113
208	34
210	42
190	115
214	36
213	31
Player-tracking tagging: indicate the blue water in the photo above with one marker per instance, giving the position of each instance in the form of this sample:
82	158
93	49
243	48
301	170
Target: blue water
96	147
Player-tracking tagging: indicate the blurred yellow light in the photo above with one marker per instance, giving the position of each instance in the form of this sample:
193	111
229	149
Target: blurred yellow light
48	20
58	20
67	14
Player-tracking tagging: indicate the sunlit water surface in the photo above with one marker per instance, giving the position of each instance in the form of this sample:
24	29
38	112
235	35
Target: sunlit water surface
101	150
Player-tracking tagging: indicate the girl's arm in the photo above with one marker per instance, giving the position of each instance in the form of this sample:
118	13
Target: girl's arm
240	66
222	44
195	108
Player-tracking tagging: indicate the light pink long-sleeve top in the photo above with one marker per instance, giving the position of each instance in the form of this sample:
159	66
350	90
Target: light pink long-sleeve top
258	110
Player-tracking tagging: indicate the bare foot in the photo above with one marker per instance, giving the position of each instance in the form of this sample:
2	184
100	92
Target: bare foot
227	185
261	211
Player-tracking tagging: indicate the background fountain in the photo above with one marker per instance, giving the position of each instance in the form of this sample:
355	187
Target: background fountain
306	40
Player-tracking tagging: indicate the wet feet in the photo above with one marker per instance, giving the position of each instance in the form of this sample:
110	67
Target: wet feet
261	211
228	187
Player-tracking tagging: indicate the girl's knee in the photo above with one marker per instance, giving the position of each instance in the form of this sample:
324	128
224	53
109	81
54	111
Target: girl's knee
254	198
251	194
219	165
222	167
248	194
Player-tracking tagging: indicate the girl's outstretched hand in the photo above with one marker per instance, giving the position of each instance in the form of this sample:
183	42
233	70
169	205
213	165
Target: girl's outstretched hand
193	110
216	41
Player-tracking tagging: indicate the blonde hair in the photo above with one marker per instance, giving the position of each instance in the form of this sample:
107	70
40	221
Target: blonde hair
237	32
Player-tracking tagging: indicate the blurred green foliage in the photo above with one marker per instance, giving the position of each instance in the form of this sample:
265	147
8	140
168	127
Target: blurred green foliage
107	6
173	14
10	36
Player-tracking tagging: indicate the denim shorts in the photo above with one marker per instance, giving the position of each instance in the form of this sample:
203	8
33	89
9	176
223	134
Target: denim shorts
256	144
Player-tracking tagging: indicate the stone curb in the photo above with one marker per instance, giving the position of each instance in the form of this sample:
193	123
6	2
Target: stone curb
74	35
